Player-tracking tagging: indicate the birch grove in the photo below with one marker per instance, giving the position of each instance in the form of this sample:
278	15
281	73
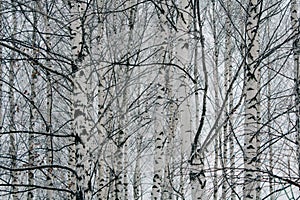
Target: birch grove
171	99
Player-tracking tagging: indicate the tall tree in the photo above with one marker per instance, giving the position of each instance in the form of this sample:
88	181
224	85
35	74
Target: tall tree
49	138
82	122
33	106
251	100
12	136
160	134
296	51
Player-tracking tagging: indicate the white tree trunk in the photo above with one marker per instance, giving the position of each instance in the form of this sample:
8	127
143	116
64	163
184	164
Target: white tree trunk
1	71
49	139
251	102
160	134
217	101
12	136
197	173
296	49
101	177
82	121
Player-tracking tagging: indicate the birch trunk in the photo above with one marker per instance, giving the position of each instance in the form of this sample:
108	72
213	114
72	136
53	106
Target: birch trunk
49	138
82	121
137	186
32	119
12	136
251	101
217	101
197	173
160	134
228	137
271	153
296	50
131	23
1	71
101	178
31	143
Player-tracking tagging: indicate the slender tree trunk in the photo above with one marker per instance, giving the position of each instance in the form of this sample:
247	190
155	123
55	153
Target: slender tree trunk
32	119
217	100
1	71
49	139
160	134
137	187
229	110
12	136
228	134
271	153
251	101
82	121
197	174
296	50
101	178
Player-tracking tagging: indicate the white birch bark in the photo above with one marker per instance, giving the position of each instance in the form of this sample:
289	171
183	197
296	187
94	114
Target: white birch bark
171	123
217	101
296	50
131	23
101	178
82	122
33	111
71	152
1	71
197	173
12	136
183	55
226	110
160	134
49	139
137	186
228	137
251	102
270	135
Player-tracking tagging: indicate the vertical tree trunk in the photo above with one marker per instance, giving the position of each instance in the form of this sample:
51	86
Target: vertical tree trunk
197	173
72	151
1	70
160	134
251	101
32	119
137	187
49	139
217	101
296	50
12	136
228	135
271	153
101	177
82	121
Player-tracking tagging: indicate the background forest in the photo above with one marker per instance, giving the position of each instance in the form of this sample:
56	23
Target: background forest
149	99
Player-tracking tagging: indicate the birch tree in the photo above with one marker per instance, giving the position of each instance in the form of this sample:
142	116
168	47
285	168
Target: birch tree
296	43
82	123
251	100
160	134
12	137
